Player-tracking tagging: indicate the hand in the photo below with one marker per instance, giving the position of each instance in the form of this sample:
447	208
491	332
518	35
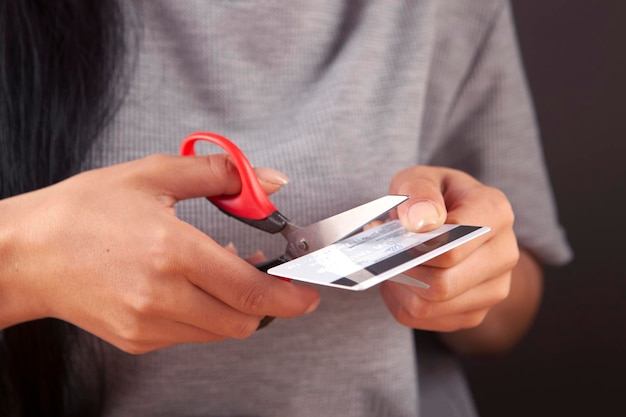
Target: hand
468	281
105	251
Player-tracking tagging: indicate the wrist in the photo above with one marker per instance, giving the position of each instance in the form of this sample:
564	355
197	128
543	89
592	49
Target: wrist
18	303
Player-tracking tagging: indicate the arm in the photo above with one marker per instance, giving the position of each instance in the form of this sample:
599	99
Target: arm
104	250
483	298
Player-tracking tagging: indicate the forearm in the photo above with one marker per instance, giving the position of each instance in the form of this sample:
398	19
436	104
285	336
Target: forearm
17	301
507	322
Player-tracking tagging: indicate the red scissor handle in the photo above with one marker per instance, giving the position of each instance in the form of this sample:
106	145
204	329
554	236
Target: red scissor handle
251	205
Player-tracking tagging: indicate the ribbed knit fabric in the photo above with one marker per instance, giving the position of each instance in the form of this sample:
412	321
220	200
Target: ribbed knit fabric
339	96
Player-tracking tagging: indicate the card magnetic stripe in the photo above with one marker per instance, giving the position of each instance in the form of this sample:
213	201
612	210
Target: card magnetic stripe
405	256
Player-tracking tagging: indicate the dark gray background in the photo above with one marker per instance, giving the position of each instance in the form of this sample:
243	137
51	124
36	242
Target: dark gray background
573	362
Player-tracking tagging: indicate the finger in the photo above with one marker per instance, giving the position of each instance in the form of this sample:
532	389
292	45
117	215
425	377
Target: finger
158	334
482	206
240	285
464	311
467	200
183	177
485	253
256	258
451	281
191	306
270	179
372	224
230	247
457	197
253	292
425	209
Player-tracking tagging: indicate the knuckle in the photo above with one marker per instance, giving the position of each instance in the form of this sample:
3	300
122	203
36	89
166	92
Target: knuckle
151	164
514	257
450	258
134	348
154	161
501	205
253	299
144	304
142	301
221	165
159	253
473	319
467	320
405	318
132	340
243	329
442	290
503	290
416	308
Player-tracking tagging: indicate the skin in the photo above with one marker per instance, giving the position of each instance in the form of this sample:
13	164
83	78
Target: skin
483	295
116	261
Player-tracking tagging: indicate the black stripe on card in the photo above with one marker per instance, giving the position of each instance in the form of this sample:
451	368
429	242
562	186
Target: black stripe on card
421	249
345	282
405	256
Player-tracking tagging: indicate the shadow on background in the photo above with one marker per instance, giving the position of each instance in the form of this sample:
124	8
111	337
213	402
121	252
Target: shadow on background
573	362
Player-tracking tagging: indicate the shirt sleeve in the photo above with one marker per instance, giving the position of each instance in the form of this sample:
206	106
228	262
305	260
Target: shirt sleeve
490	131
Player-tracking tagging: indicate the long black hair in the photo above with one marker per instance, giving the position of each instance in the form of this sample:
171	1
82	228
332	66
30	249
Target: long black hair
60	72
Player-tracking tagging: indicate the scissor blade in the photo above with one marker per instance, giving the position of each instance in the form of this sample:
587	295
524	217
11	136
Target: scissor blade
325	232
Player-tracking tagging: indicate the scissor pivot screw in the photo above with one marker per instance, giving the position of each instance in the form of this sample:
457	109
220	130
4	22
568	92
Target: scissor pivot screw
302	245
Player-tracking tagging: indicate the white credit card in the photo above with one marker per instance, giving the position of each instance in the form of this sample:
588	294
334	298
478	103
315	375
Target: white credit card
375	255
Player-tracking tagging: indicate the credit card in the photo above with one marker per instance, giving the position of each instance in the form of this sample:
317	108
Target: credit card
370	257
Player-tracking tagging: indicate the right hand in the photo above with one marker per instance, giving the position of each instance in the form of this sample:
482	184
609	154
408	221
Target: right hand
105	251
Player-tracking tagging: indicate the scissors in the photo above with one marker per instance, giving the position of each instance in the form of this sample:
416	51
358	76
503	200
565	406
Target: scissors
253	207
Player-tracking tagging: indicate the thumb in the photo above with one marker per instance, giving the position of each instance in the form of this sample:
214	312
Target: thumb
425	209
184	177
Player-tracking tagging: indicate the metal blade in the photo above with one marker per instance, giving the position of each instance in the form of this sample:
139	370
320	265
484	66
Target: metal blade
325	232
405	279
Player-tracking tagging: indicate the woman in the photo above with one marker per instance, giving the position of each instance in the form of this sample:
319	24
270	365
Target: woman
352	100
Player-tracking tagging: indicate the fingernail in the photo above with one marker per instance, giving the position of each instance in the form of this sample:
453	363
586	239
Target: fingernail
256	258
271	175
312	307
423	214
230	247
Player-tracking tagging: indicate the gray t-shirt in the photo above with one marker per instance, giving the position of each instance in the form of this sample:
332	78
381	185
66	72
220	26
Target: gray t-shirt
339	96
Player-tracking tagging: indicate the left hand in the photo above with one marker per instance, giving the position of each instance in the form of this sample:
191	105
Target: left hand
466	282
